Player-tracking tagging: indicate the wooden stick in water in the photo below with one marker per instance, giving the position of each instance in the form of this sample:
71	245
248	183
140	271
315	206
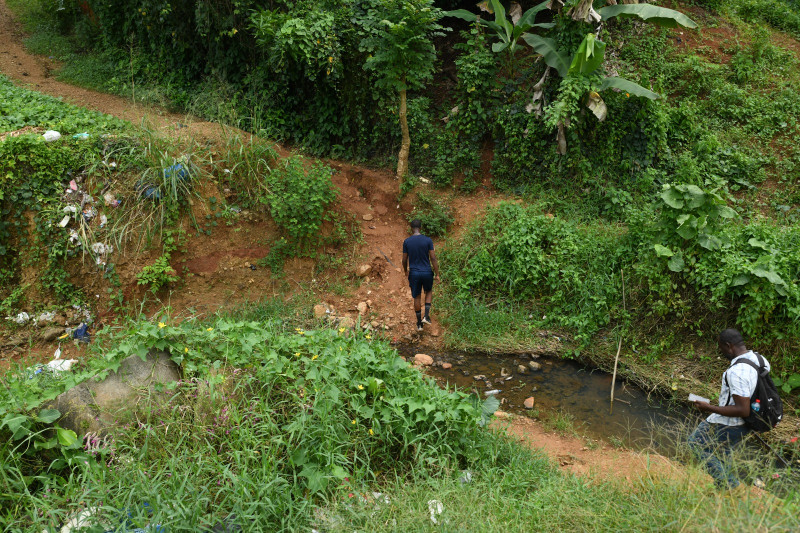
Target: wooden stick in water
619	347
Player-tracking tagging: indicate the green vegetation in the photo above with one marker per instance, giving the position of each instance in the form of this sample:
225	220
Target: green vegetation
281	428
435	213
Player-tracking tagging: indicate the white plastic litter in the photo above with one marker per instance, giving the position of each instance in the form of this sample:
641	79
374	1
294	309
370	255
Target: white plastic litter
466	477
101	248
103	221
60	365
21	318
45	317
74	237
436	508
70	209
51	135
79	521
64	221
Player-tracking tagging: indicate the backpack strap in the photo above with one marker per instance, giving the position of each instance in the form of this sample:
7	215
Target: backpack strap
758	368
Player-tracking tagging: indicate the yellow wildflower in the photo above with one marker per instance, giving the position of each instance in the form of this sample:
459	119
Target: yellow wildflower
209	329
371	432
297	354
341	330
313	358
426	146
186	350
161	325
361	387
330	59
368	337
627	95
353	422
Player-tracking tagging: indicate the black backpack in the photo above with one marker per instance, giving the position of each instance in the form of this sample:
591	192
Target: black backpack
771	410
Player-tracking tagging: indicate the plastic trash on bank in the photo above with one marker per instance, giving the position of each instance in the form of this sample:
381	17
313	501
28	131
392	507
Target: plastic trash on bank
51	135
81	333
21	318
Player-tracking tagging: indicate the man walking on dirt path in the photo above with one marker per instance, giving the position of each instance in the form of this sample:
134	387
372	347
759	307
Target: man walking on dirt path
725	427
418	258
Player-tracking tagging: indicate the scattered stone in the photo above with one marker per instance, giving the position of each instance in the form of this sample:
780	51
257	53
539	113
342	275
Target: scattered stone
347	322
52	333
321	310
479	377
503	372
501	414
92	405
534	366
529	402
522	369
14	341
447	366
362	308
369	303
375	324
534	356
465	372
363	270
423	359
367	217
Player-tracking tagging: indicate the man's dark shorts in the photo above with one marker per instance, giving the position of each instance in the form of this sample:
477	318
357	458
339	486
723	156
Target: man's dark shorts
419	281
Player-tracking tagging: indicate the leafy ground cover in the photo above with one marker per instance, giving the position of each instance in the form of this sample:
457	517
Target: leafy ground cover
275	427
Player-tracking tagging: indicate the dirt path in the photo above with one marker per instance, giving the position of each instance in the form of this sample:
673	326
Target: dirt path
220	264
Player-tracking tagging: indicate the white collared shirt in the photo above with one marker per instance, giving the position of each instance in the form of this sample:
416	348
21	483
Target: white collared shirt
741	381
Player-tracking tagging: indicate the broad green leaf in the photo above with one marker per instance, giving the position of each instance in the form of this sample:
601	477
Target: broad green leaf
48	416
48	444
627	86
769	275
777	382
673	198
726	212
697	197
709	242
529	17
67	437
688	230
676	263
547	48
741	279
590	55
472	17
663	251
660	16
786	388
755	243
793	381
488	408
13	421
500	46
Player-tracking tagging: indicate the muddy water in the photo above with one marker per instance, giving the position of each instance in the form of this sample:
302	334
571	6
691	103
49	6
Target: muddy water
563	387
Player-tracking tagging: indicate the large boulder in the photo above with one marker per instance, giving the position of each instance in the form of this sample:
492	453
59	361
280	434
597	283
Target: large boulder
94	405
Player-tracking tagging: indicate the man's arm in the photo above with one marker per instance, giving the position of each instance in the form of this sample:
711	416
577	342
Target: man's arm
434	263
740	407
405	263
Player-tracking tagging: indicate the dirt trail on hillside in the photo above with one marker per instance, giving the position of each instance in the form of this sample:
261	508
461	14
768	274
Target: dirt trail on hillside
220	265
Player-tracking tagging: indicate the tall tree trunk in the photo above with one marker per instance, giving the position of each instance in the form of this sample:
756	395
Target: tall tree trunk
405	146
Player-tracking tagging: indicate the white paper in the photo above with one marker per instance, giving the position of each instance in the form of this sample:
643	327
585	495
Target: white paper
696	398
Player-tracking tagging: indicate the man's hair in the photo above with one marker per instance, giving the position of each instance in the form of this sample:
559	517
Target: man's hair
731	336
416	223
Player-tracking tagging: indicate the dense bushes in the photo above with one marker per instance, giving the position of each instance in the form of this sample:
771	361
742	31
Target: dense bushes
687	257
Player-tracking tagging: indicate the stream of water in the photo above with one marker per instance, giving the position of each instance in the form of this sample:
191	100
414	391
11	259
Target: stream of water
566	388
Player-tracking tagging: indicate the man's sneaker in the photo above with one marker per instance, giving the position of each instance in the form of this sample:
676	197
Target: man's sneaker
427	320
419	326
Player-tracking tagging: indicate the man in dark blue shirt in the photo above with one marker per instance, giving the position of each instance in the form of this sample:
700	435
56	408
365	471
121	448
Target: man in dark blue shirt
418	257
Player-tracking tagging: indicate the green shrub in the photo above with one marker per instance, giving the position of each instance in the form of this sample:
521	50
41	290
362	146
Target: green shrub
158	275
298	197
434	212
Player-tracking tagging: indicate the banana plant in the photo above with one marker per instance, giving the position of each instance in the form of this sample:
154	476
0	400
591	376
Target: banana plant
507	29
589	58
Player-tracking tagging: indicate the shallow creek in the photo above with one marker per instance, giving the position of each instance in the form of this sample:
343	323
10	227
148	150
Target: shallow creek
560	386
